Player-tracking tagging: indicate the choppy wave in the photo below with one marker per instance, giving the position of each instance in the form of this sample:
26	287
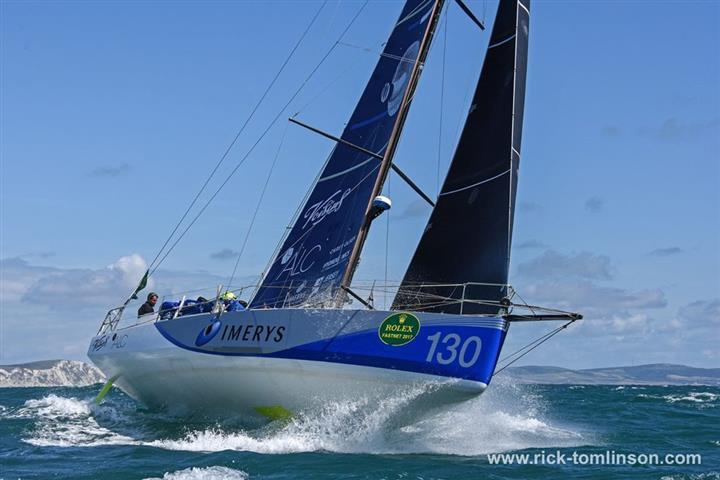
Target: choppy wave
505	418
693	476
207	473
690	397
69	422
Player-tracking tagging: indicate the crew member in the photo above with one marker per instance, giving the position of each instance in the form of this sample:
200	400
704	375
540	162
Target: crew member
149	306
229	302
228	296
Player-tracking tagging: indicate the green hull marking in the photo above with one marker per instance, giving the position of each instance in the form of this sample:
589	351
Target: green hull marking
275	412
399	329
106	388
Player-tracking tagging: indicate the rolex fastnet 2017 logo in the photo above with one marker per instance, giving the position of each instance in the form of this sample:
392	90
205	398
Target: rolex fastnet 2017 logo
399	329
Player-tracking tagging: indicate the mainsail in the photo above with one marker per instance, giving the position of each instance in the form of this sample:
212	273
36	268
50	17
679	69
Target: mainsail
315	254
464	251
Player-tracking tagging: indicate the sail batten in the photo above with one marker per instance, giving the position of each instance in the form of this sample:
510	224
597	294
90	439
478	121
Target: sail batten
316	252
468	237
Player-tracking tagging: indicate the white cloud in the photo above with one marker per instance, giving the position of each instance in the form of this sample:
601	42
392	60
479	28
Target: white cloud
573	283
588	295
130	270
61	289
702	312
16	277
552	264
49	312
638	322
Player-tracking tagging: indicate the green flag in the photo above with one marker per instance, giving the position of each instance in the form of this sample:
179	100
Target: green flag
141	285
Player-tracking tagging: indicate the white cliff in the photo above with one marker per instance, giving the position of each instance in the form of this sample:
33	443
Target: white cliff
50	373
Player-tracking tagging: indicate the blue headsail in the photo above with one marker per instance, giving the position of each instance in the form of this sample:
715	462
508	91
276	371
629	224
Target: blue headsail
309	265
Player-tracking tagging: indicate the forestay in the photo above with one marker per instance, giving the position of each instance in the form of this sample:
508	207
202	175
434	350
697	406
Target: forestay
469	233
314	255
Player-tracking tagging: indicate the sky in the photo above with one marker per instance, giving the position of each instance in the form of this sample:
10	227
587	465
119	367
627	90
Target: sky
112	115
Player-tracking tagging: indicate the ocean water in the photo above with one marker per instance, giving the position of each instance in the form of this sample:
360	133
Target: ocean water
60	433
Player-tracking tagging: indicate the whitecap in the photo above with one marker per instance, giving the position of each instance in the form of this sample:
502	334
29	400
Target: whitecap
216	440
68	422
207	473
697	397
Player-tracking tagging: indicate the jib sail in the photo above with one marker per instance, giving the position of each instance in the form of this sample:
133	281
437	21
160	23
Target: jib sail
468	236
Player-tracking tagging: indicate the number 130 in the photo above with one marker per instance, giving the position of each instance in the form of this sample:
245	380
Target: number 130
470	348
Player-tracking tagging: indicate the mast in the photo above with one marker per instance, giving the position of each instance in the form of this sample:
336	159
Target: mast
393	141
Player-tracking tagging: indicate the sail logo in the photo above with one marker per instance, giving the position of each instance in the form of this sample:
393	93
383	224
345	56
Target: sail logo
296	262
394	91
317	212
287	256
399	329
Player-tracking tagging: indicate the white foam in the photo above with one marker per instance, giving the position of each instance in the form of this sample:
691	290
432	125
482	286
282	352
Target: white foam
505	420
697	476
356	425
506	417
207	473
68	422
693	397
215	440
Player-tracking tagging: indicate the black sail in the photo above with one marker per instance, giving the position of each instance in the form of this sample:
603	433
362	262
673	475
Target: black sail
468	236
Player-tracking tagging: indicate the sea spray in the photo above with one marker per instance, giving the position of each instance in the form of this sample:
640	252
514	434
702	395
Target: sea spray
207	473
507	417
69	422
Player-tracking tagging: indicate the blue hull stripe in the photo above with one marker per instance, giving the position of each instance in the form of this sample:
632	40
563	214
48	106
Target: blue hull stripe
452	354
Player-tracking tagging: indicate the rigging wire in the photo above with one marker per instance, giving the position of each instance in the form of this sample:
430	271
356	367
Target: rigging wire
379	53
257	208
239	132
524	302
324	89
292	222
264	133
532	346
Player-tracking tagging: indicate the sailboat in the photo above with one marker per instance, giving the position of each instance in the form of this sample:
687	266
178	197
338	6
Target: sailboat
307	333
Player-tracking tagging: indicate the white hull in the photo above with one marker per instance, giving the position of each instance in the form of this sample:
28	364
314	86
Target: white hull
160	374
